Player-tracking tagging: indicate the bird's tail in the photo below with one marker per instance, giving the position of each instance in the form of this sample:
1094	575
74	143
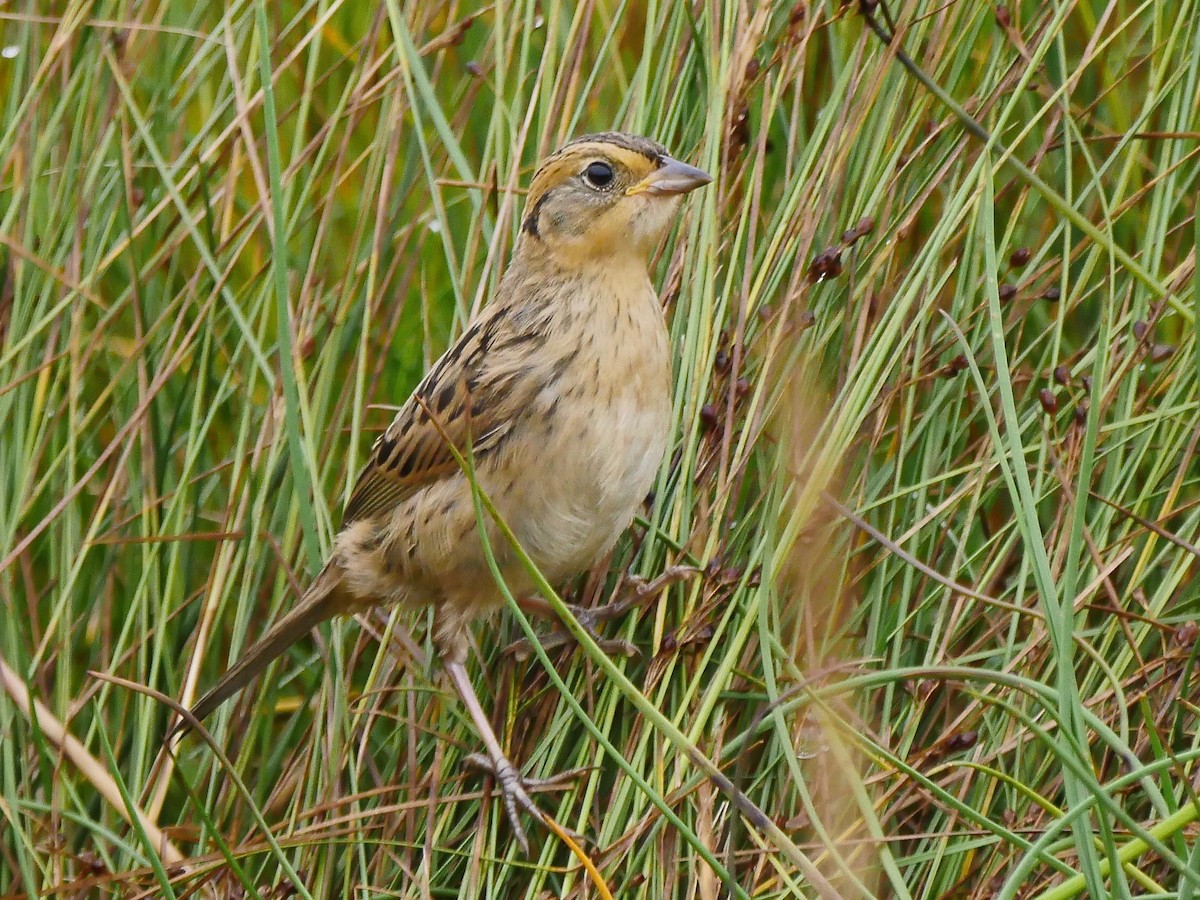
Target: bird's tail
320	602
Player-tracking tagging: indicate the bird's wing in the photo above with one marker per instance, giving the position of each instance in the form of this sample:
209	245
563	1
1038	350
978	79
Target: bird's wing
462	402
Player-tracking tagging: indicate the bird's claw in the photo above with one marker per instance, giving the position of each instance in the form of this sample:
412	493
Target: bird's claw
514	790
635	591
522	649
639	590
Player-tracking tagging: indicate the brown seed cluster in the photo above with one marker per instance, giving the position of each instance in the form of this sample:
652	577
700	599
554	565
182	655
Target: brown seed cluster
956	366
826	264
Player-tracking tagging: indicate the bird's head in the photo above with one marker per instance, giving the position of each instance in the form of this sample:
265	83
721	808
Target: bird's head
605	198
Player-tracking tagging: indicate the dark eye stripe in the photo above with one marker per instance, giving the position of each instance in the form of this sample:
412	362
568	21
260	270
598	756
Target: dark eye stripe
531	220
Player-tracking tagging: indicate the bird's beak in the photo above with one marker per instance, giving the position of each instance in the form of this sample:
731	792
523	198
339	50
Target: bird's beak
672	177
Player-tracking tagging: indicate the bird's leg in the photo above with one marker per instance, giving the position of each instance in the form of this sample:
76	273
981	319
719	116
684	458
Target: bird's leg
634	591
540	607
512	785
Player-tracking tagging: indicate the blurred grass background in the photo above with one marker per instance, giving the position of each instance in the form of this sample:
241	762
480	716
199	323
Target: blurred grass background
936	398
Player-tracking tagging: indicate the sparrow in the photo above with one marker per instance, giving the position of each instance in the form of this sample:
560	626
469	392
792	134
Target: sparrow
560	391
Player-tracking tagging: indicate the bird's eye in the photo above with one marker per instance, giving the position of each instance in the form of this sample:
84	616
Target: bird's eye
598	174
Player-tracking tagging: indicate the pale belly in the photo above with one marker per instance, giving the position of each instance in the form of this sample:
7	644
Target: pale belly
587	496
594	471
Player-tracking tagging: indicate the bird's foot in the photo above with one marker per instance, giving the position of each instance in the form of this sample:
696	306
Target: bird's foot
522	650
514	790
634	591
637	591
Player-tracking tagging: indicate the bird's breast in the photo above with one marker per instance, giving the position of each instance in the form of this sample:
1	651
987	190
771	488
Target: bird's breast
603	425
